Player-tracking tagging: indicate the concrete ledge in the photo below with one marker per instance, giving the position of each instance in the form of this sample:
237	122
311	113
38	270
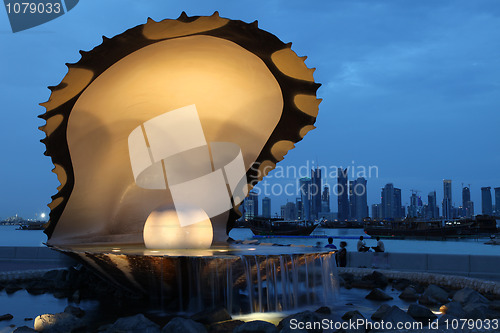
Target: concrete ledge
479	266
19	258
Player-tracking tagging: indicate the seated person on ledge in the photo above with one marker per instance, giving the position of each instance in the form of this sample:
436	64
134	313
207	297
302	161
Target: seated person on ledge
330	244
380	246
362	245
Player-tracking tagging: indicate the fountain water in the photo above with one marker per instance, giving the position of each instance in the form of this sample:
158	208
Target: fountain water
240	278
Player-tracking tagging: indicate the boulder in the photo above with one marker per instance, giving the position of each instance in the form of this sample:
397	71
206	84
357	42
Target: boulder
325	310
302	317
453	309
467	295
494	305
75	311
225	326
352	314
256	326
179	324
133	324
378	295
446	320
480	311
409	294
211	316
395	315
434	295
6	316
58	322
348	277
421	313
401	284
381	311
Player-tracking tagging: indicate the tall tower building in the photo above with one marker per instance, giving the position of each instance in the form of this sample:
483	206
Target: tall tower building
325	199
387	197
376	212
352	200
360	195
486	204
432	206
305	196
290	212
447	202
315	192
266	207
251	204
497	201
465	200
298	208
343	195
399	209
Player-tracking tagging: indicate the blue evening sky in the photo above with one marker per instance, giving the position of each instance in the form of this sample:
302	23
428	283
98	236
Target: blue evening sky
411	87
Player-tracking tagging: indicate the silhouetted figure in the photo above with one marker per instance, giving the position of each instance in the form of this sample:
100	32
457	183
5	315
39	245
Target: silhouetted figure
341	255
380	246
362	245
330	244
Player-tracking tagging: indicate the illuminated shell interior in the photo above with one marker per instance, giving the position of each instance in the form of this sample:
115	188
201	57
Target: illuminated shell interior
248	86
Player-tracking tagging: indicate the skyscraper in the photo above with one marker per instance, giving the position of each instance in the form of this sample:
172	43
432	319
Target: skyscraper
465	200
432	207
315	192
447	202
325	200
352	200
497	201
298	208
305	196
343	195
252	205
376	211
360	194
486	204
266	207
290	211
391	202
413	208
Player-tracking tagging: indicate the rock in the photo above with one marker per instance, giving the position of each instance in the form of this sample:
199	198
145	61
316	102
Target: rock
421	313
225	326
179	324
446	320
480	311
286	324
434	295
213	315
378	278
348	277
6	316
352	314
324	310
395	315
378	295
59	322
453	309
256	326
23	329
468	295
401	284
495	305
12	288
133	324
381	311
409	294
75	311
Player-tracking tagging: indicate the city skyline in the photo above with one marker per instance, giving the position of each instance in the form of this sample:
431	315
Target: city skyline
410	87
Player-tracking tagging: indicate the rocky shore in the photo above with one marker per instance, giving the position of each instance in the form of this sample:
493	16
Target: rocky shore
436	308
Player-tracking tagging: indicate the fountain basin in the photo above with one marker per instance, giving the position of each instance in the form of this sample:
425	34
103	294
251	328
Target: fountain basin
241	278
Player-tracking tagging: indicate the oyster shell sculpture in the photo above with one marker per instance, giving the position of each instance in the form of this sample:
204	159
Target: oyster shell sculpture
163	129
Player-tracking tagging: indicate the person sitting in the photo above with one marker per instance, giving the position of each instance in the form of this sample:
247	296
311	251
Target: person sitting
362	245
341	255
380	246
330	244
